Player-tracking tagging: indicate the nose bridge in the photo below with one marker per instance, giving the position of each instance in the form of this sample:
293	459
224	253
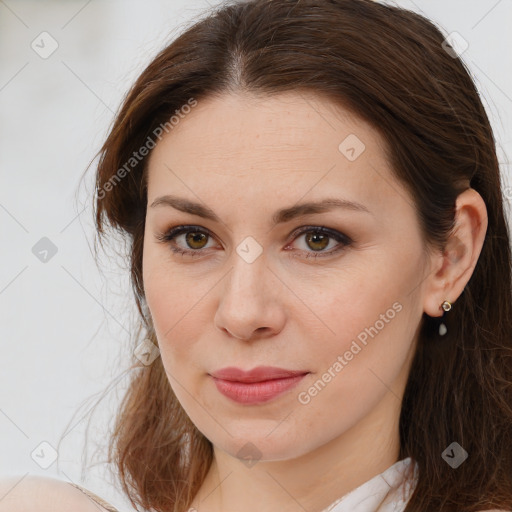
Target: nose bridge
249	274
247	303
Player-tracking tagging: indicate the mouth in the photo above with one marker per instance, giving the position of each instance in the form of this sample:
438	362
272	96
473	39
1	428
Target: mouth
259	385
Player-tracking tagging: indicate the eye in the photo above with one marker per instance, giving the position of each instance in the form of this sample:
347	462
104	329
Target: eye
196	238
317	238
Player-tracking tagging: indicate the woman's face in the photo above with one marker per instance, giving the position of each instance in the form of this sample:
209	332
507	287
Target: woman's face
250	292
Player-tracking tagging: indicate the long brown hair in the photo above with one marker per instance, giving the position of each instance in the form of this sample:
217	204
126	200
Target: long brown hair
390	67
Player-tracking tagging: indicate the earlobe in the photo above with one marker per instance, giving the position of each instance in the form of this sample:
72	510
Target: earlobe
455	266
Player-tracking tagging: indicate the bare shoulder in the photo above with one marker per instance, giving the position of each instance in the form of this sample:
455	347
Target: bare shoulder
44	494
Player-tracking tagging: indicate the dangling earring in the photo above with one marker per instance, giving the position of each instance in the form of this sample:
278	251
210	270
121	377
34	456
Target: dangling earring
446	306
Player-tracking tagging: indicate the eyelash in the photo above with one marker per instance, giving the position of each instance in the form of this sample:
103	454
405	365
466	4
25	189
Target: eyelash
168	237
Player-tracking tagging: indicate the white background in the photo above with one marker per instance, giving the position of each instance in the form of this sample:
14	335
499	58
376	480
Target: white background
65	324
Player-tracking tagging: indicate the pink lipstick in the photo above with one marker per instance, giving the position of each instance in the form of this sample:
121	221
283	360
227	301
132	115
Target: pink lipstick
261	384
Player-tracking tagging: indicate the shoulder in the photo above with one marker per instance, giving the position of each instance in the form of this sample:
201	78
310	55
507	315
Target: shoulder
45	494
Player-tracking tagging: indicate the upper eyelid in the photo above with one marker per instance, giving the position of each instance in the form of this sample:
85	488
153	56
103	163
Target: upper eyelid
299	231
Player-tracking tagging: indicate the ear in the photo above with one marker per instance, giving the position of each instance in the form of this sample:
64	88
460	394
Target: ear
452	269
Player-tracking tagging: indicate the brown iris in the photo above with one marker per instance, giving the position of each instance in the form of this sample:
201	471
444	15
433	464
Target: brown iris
196	237
317	238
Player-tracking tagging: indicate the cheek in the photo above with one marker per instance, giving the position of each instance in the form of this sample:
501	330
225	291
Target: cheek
357	368
173	299
176	326
163	294
371	319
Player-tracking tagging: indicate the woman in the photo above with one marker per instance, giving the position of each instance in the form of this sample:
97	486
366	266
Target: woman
319	251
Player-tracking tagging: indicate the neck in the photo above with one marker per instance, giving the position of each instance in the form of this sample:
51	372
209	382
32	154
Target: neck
309	482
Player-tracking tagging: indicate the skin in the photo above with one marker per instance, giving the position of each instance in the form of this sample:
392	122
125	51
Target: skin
28	493
245	157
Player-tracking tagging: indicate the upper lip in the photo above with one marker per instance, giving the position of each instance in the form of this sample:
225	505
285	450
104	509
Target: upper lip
258	374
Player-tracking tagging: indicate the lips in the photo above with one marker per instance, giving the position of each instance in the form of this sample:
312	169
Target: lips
258	374
258	385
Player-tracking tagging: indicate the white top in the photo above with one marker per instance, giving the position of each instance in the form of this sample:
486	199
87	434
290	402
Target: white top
388	492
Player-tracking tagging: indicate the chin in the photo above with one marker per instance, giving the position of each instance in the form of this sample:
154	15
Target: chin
256	445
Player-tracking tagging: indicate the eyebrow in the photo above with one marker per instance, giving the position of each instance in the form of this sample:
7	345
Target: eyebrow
279	217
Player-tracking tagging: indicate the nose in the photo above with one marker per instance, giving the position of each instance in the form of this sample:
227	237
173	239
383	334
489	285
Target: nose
250	306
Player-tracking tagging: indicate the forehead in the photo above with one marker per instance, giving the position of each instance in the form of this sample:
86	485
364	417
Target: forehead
293	144
289	125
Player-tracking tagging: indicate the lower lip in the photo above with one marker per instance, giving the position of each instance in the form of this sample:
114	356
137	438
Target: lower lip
256	392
